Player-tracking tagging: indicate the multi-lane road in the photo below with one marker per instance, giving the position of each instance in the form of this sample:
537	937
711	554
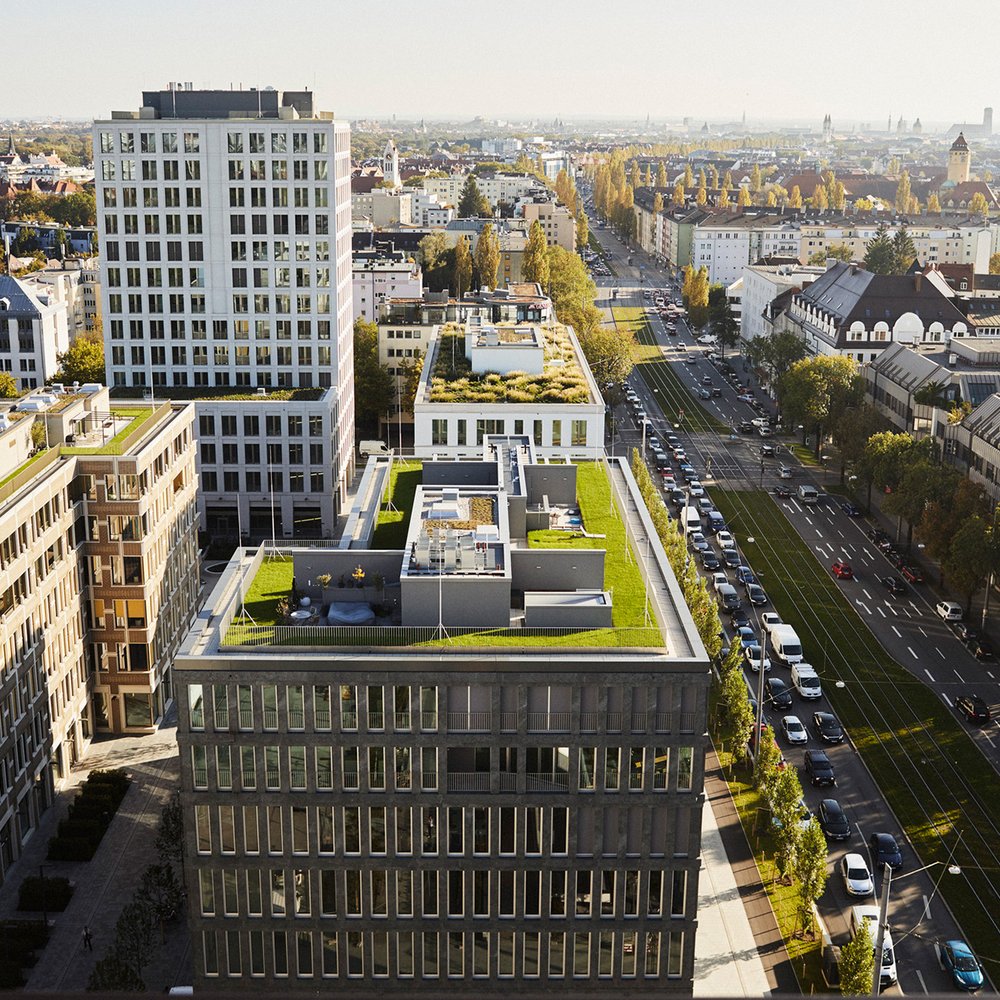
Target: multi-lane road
905	625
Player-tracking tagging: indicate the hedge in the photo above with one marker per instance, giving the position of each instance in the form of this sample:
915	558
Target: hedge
50	894
89	816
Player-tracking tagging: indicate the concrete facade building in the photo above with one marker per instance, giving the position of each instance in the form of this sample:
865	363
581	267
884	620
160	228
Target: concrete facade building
98	584
381	274
382	207
506	189
225	229
557	222
34	329
497	812
77	281
762	283
725	244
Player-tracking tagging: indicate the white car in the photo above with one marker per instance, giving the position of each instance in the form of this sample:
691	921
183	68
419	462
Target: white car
718	579
769	618
696	489
950	611
726	540
707	339
857	878
754	654
795	732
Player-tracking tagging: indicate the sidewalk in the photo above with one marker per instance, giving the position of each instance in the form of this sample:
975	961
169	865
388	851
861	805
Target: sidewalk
105	884
753	944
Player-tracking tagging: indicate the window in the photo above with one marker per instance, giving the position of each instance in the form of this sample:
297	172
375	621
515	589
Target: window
685	768
439	431
611	758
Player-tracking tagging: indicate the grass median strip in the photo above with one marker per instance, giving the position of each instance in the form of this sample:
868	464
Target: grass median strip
673	397
929	770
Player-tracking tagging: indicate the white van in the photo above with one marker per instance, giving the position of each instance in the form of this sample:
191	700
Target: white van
869	915
367	448
808	494
785	644
691	519
805	680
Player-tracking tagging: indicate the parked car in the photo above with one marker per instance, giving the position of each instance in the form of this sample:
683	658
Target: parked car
833	820
817	765
756	594
842	570
964	630
950	611
827	728
793	730
973	708
857	878
911	574
885	851
958	960
876	535
894	585
981	649
778	693
851	509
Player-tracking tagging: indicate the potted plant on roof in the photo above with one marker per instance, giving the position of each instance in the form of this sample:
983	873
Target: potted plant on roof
358	576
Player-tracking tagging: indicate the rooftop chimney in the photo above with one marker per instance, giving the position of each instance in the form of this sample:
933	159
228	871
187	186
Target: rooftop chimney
918	279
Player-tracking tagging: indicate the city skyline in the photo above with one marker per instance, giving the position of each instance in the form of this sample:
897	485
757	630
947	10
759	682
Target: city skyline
562	70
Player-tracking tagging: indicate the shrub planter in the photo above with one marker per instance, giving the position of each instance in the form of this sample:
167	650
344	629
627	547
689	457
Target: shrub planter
51	895
89	816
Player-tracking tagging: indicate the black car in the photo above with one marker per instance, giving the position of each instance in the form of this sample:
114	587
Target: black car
731	558
833	820
819	768
767	451
827	728
893	584
876	535
745	576
851	509
884	851
973	708
756	594
745	427
678	498
964	631
782	491
981	649
710	560
716	391
779	694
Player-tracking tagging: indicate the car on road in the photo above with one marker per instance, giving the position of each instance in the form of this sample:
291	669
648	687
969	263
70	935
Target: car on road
833	820
699	542
726	539
885	851
730	556
817	764
716	390
704	394
842	570
718	579
963	966
793	730
806	681
709	560
911	574
973	708
785	472
756	594
691	359
857	878
782	491
778	693
769	619
894	585
745	397
745	427
827	728
964	630
744	574
851	509
981	649
747	636
766	451
677	497
695	489
688	473
950	611
754	654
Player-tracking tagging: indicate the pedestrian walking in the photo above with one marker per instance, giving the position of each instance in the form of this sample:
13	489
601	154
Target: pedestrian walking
88	939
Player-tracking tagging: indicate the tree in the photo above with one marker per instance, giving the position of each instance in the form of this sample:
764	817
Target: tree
810	870
689	177
713	176
535	263
765	766
170	832
373	385
786	794
904	253
431	249
723	200
678	198
743	198
461	270
723	323
940	518
39	433
851	432
134	936
111	974
978	205
572	292
903	193
661	175
880	255
995	263
83	360
775	354
582	228
755	179
795	197
934	203
409	370
657	203
609	355
471	203
815	392
772	200
701	195
970	558
8	386
819	199
487	257
835	251
161	891
857	963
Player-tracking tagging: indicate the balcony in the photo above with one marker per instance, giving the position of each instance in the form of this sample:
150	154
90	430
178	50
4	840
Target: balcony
549	782
470	722
549	722
469	781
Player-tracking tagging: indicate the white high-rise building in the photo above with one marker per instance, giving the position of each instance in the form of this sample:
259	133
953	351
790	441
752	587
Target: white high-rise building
225	232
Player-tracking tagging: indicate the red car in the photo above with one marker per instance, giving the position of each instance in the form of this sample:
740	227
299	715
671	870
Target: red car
912	574
842	570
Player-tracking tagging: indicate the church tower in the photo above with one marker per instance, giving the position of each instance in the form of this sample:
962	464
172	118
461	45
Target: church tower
959	159
390	165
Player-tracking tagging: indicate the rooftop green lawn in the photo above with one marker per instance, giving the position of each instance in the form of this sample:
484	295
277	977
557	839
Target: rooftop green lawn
135	417
396	505
27	463
219	393
670	393
621	574
933	776
272	581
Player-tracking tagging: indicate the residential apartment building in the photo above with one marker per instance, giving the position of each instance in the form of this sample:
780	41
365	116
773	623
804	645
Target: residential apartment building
726	243
225	228
98	584
498	189
556	220
761	285
77	281
382	207
853	312
937	239
492	812
34	330
484	378
381	274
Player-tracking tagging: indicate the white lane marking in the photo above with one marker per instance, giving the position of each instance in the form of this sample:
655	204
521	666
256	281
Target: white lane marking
849	548
920	976
961	679
861	604
947	699
820	533
795	505
809	519
881	612
892	609
930	676
914	655
907	613
939	653
915	608
899	635
927	908
865	592
992	678
922	632
840	533
988	739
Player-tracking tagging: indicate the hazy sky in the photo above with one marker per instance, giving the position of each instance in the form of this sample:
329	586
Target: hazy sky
859	60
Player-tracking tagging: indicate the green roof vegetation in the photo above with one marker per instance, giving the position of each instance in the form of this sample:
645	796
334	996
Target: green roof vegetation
272	581
397	502
220	393
136	417
24	465
561	381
